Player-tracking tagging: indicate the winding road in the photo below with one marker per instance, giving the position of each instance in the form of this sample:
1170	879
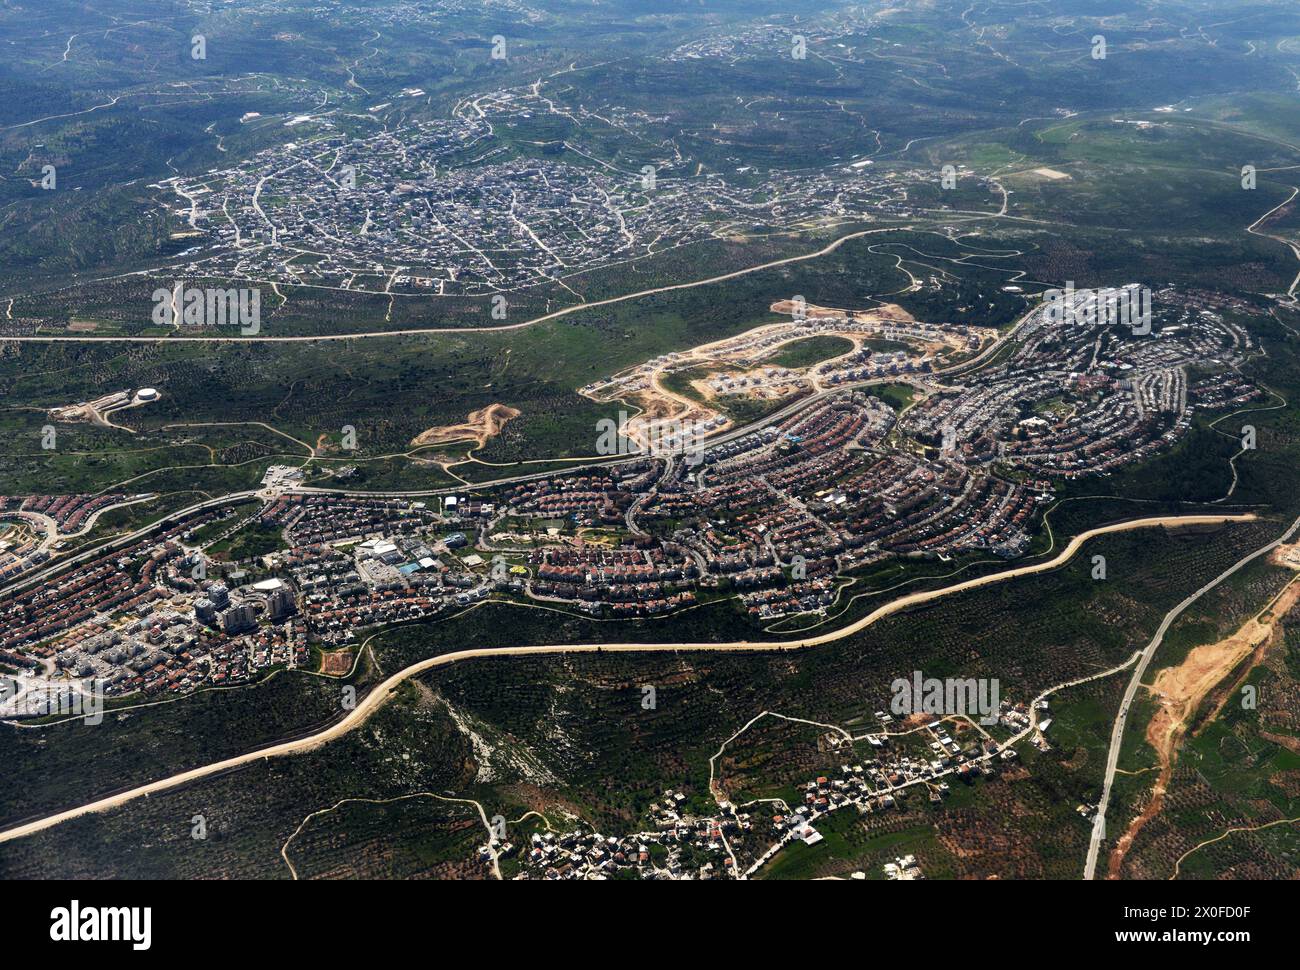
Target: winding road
385	690
554	314
30	579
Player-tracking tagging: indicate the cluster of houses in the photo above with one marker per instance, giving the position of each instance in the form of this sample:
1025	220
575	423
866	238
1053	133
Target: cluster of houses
362	562
821	491
68	512
887	769
41	523
137	620
601	497
676	845
1071	401
398	210
644	579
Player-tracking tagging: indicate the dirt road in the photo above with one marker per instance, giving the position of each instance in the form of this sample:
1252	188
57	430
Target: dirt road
1121	721
1182	689
417	331
380	695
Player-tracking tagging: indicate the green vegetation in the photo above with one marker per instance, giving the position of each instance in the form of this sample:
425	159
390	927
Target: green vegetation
898	396
255	539
118	106
811	350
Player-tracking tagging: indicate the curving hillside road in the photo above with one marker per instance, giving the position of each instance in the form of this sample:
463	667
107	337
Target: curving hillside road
380	695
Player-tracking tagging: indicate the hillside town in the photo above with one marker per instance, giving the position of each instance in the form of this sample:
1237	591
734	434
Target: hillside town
900	766
399	211
774	517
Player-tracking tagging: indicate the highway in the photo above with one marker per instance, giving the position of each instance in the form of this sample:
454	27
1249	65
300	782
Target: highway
57	566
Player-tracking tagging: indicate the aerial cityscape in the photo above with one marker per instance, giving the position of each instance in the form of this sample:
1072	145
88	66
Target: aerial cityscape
544	440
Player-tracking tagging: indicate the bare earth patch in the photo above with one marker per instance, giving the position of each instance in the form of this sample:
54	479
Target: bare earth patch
1182	689
1287	556
336	664
479	426
742	363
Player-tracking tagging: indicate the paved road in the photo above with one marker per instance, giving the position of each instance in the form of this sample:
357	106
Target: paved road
575	308
31	579
1117	731
59	565
380	695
